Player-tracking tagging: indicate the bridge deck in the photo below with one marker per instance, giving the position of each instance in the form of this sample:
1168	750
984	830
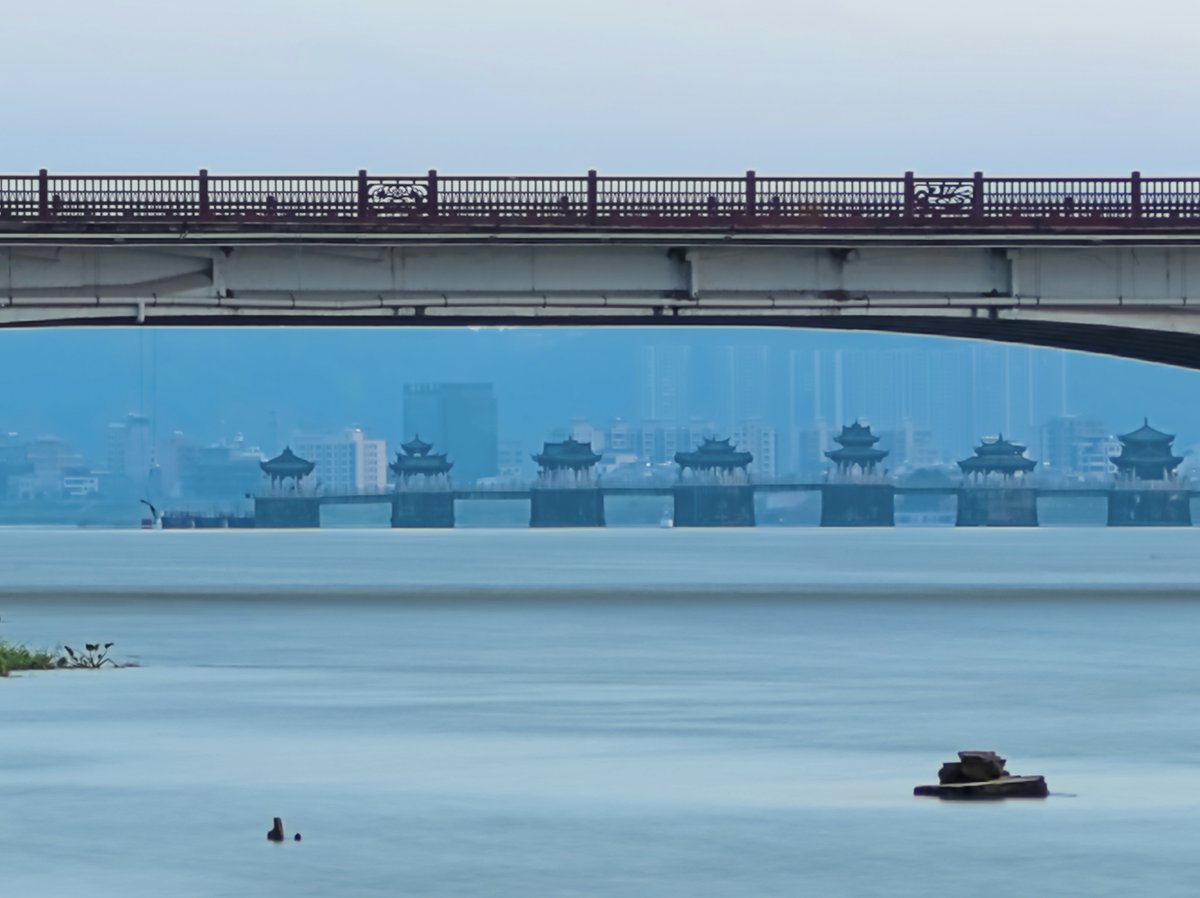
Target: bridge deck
366	203
523	494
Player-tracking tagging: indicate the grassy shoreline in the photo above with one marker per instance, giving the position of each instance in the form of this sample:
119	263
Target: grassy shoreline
19	657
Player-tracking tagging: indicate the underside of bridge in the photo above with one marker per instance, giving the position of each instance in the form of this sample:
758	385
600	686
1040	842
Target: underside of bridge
1133	300
1163	347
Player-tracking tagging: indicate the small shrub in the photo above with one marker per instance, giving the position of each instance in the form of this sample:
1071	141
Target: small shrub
93	657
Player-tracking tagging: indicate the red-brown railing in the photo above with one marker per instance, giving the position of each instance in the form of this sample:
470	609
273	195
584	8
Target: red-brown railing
591	200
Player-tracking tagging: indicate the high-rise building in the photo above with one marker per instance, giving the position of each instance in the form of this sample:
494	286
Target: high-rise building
758	438
586	432
346	462
744	385
657	442
955	392
911	448
224	473
664	383
1073	446
623	437
131	454
45	467
460	419
809	447
514	461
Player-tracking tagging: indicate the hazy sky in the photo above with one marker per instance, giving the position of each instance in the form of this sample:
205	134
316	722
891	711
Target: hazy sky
793	87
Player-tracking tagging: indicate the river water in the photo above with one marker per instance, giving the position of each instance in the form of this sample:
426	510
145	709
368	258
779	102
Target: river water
601	713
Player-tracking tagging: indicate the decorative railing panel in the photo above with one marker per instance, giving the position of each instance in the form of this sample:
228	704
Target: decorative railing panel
1170	198
1065	198
434	201
294	197
107	197
552	199
829	198
18	196
669	198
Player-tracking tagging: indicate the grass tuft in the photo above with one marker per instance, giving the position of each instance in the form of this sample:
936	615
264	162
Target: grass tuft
19	657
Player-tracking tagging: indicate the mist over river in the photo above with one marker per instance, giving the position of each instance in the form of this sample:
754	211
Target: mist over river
600	713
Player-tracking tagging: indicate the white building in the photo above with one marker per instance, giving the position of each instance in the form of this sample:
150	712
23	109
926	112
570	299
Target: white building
345	463
131	452
758	438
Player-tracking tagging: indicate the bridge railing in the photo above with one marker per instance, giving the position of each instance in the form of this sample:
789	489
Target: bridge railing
432	200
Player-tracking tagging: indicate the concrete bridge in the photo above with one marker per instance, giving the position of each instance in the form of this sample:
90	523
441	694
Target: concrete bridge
1107	265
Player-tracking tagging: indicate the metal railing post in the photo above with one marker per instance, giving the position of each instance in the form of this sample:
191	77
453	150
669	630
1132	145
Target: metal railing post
977	197
363	197
203	194
592	192
751	193
1135	194
910	195
43	194
432	196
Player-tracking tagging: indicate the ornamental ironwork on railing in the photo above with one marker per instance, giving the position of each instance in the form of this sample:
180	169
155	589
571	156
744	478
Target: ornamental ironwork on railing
432	200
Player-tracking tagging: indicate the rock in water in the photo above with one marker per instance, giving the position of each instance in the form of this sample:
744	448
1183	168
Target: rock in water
981	774
951	772
978	766
1004	787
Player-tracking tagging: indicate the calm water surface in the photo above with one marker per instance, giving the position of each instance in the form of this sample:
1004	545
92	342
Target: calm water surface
611	713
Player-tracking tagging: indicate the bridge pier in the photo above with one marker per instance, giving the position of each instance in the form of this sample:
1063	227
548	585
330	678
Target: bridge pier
858	505
566	507
1006	506
1149	508
423	509
711	505
286	513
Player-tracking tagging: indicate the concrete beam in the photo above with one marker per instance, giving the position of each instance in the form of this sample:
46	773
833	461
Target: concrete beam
1135	301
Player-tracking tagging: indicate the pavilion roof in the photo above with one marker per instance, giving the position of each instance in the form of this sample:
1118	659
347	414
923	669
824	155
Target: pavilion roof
997	455
856	434
416	446
1000	463
569	453
1147	434
856	455
714	453
999	446
408	465
287	464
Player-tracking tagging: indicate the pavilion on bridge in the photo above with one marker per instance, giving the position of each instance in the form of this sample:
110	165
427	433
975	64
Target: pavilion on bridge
566	464
854	496
995	490
566	493
287	466
856	449
423	497
1148	491
716	460
1146	454
419	466
717	493
997	457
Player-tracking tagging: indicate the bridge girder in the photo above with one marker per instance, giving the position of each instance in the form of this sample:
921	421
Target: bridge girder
1134	299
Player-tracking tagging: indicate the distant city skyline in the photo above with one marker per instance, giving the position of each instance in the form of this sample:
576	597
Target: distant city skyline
201	404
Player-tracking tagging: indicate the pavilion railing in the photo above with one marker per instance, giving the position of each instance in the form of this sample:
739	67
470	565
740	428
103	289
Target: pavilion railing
750	200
